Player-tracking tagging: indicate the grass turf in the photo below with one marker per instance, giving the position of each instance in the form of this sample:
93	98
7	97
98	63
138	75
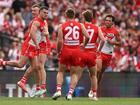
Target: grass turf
75	101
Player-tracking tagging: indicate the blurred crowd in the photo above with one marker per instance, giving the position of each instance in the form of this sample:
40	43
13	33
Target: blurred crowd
16	14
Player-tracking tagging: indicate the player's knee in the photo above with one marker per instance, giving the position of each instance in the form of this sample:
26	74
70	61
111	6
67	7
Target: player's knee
91	74
99	68
35	67
41	66
61	70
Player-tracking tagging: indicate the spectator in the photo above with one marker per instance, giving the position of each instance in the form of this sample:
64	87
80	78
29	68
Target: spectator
18	5
19	25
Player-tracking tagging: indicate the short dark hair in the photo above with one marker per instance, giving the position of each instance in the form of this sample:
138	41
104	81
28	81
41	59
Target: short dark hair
43	7
111	16
70	13
88	15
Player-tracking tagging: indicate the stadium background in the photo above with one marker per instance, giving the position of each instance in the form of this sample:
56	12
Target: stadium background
121	78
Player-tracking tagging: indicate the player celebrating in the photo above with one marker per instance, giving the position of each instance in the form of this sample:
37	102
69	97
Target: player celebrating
89	52
106	48
69	34
43	51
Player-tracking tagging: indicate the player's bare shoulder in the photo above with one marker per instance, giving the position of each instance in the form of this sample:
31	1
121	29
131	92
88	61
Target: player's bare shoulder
116	30
36	23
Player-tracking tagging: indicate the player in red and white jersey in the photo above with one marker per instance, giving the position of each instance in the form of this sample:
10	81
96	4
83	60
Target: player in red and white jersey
22	83
43	51
68	46
107	48
89	52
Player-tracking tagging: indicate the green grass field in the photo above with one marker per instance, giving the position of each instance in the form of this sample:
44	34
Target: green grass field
75	101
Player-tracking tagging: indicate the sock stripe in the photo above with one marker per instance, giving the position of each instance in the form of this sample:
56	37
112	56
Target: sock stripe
71	91
4	63
58	86
94	90
23	79
43	86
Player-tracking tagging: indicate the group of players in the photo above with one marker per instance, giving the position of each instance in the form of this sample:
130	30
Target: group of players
77	48
35	49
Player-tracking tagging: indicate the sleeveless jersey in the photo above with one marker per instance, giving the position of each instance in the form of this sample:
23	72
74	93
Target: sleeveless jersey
111	35
39	36
71	33
93	35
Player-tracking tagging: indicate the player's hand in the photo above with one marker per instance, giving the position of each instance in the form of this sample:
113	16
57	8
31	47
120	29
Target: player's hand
45	27
45	33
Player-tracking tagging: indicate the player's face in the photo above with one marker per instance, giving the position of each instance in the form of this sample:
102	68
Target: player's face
44	14
35	11
108	22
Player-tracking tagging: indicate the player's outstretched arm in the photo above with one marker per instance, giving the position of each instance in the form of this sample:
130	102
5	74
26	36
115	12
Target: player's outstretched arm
101	43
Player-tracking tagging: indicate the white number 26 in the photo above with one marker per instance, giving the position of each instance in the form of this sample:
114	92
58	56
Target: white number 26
72	30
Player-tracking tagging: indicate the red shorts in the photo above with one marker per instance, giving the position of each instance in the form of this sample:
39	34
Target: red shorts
29	50
70	57
88	59
106	58
44	48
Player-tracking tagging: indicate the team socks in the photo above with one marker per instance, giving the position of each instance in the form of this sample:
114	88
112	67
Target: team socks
23	80
58	87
